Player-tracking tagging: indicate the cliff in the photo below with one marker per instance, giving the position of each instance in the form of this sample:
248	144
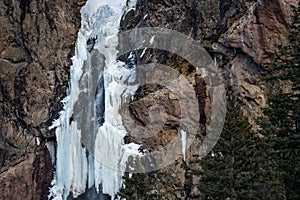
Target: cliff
241	36
37	41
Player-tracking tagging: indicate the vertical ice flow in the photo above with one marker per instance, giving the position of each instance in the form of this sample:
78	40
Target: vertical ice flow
90	149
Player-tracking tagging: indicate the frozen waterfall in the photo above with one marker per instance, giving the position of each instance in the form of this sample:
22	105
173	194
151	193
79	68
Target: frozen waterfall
90	148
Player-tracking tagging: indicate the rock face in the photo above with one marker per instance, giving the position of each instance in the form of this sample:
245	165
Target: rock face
240	35
36	43
29	179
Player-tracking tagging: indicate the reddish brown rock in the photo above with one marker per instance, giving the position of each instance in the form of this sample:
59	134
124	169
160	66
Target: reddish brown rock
29	179
36	43
37	40
241	36
264	25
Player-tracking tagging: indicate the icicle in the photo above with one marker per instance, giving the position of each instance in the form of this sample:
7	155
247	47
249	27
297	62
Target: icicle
102	161
143	53
183	142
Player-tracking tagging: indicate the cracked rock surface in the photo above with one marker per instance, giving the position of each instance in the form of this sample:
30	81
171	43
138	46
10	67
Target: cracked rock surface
37	40
240	35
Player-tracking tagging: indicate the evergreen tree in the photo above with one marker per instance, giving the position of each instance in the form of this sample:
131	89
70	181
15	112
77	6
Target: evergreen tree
239	166
146	186
282	118
284	143
287	68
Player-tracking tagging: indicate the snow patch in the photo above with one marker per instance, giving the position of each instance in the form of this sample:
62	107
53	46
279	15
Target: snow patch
152	40
143	53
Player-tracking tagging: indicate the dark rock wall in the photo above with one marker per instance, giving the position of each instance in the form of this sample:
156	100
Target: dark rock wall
37	40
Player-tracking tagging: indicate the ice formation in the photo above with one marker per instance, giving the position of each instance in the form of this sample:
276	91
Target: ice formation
90	148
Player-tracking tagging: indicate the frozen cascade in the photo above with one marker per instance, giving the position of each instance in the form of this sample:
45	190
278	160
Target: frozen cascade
90	149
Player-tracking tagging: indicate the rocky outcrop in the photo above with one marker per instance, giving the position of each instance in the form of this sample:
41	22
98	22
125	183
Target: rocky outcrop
240	35
29	179
250	46
260	29
36	43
